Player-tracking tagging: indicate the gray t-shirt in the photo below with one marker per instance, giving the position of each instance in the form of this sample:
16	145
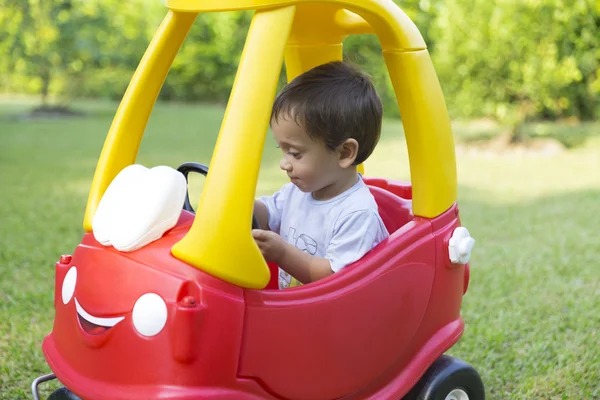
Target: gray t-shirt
341	229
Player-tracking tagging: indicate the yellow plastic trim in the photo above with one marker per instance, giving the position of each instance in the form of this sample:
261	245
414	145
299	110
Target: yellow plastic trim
299	59
220	240
316	38
393	27
351	23
325	23
427	130
125	134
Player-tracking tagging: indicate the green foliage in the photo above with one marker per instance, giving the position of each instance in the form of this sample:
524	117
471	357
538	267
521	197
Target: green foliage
511	59
515	59
67	48
207	63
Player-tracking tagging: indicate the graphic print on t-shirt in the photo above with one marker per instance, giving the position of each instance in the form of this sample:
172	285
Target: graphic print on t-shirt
303	243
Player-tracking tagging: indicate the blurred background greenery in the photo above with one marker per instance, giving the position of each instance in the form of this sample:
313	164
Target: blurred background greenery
512	60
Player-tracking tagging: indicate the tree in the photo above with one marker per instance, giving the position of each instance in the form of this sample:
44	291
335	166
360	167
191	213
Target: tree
206	65
518	59
56	47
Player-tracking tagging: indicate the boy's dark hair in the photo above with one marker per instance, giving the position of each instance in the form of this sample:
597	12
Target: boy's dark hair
333	102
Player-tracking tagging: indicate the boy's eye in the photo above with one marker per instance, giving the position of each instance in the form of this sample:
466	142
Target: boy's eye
293	154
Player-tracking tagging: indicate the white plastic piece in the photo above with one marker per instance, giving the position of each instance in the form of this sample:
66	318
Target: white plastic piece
460	246
68	286
457	394
121	187
106	322
139	206
149	314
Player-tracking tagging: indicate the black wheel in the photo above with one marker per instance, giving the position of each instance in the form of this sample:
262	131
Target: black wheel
63	394
448	378
188	167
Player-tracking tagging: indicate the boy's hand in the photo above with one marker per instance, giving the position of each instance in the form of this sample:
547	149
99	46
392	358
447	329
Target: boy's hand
271	245
301	265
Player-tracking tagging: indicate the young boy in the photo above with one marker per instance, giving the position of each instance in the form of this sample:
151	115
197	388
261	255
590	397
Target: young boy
326	122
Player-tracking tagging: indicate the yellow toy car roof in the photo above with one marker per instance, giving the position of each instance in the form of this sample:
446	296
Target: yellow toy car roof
306	34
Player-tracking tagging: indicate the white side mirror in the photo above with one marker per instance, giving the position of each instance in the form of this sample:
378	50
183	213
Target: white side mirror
460	246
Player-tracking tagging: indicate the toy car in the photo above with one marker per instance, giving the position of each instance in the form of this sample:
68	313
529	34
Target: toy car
163	303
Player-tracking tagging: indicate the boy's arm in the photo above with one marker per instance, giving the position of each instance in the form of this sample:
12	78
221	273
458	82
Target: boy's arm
302	266
269	209
262	214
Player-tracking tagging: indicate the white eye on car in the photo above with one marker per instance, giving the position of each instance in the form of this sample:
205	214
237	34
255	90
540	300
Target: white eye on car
68	286
149	314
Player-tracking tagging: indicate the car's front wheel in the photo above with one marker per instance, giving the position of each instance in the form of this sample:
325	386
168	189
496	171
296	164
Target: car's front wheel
63	394
448	378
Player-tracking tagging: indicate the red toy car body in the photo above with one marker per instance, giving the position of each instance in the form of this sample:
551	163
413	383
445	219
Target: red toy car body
393	313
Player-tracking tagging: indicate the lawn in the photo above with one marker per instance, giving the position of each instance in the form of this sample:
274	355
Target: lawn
532	311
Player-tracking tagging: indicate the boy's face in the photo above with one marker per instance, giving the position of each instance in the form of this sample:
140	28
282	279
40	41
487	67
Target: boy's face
309	164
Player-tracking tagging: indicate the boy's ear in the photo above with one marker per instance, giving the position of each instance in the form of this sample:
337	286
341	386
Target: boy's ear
348	152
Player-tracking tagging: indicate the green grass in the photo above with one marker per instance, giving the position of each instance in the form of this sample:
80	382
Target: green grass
532	310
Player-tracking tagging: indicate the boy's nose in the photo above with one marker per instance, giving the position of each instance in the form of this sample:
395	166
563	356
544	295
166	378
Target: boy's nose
285	165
